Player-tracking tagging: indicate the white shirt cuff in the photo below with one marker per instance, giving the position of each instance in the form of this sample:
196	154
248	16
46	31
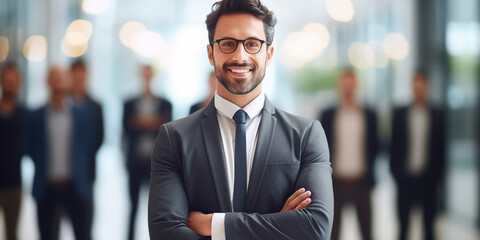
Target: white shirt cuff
218	226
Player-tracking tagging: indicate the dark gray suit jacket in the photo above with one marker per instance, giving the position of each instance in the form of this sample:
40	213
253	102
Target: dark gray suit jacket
188	174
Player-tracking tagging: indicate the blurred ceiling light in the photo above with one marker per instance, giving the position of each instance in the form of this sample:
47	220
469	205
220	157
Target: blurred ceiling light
375	55
129	30
297	47
35	48
340	10
95	6
318	35
288	61
147	43
76	38
357	54
79	32
71	50
4	48
306	45
396	46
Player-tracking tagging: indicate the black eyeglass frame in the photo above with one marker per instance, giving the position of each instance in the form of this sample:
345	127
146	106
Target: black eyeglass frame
240	41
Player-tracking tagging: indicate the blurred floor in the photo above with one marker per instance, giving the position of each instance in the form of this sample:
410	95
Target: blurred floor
112	206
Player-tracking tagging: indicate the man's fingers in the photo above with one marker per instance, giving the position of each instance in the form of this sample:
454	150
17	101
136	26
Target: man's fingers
295	194
300	198
291	198
293	203
304	204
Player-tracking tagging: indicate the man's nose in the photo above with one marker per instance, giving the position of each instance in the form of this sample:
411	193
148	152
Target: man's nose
240	54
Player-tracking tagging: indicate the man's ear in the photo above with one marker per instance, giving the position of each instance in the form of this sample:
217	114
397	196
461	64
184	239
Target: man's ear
210	54
269	54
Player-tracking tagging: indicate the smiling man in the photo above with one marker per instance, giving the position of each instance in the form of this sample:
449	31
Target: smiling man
240	168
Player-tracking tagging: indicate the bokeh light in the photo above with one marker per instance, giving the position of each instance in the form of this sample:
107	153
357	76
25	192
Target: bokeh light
304	46
95	6
79	32
318	36
35	48
76	50
4	48
396	46
148	43
376	56
340	10
128	30
357	54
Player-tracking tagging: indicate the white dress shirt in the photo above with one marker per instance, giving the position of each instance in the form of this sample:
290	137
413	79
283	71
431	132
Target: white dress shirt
225	112
349	144
418	127
60	130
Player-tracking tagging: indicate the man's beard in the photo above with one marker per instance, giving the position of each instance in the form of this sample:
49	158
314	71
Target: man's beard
240	86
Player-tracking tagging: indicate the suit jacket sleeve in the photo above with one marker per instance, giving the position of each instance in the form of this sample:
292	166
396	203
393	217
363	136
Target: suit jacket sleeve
372	144
313	222
99	125
167	109
167	213
398	144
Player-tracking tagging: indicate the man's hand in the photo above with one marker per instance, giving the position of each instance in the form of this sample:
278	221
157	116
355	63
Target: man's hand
299	199
200	223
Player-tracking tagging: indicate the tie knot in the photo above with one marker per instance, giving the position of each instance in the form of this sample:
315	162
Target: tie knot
239	117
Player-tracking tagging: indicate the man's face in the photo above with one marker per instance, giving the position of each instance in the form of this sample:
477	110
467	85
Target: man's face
147	73
10	81
79	75
59	81
420	88
347	85
239	72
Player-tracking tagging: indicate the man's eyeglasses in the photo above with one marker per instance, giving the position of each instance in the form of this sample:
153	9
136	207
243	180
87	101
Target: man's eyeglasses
229	45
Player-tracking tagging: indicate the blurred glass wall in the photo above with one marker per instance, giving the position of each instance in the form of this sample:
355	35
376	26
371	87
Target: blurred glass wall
383	40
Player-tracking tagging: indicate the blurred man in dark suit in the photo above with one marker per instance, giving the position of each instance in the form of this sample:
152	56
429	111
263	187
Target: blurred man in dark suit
61	145
212	84
82	100
352	139
418	156
142	117
12	116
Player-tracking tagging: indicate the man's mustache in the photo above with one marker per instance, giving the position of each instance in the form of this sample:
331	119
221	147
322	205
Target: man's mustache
241	65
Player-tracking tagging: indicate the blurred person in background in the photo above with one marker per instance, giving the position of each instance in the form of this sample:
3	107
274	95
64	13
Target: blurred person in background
417	157
142	117
12	116
351	132
82	100
61	143
212	83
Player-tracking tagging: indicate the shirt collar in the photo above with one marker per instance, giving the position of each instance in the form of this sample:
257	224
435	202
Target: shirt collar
228	109
67	105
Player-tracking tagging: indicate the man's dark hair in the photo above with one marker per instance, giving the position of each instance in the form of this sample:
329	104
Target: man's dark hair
422	73
78	63
253	7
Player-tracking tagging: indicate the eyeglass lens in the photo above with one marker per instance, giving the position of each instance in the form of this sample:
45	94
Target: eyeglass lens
230	45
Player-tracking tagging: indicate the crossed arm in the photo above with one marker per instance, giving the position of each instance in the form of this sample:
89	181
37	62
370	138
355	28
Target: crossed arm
201	223
305	215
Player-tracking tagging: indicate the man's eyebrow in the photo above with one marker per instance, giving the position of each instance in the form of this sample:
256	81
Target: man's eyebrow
255	37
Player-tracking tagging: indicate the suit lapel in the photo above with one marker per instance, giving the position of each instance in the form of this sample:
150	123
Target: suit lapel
213	147
266	131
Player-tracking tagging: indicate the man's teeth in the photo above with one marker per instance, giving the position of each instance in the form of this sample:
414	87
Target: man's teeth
240	70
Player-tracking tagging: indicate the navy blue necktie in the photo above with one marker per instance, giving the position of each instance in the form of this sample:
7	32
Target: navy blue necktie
240	186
